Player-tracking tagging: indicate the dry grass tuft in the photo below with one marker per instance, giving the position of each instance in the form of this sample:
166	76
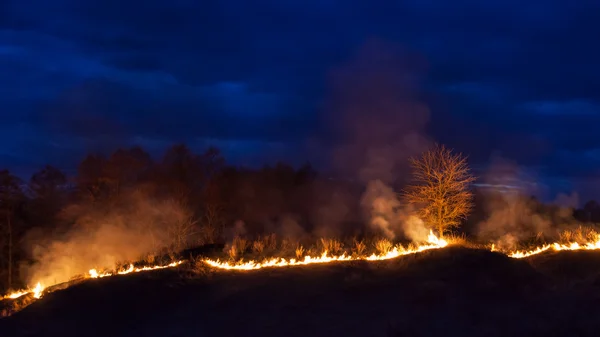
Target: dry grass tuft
592	235
331	246
456	239
258	246
579	235
299	252
270	242
359	247
383	246
150	259
566	236
287	245
237	248
412	246
399	247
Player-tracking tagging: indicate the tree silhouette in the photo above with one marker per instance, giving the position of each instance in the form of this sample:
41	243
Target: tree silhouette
46	182
10	197
592	211
90	178
441	188
126	167
47	187
180	173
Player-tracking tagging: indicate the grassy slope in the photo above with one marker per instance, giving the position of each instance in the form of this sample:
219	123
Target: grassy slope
449	292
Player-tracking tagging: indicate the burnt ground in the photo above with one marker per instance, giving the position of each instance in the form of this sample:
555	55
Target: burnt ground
450	292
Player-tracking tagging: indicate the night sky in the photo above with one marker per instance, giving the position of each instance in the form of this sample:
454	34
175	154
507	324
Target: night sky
267	80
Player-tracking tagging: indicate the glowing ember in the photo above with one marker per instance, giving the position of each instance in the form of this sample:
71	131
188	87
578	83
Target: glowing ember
433	243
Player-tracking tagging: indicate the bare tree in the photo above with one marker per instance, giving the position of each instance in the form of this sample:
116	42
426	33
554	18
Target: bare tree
212	223
181	225
440	190
181	230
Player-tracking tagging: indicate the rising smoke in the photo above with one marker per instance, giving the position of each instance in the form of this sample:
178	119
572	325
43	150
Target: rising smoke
376	114
377	122
388	216
382	208
135	227
333	209
513	215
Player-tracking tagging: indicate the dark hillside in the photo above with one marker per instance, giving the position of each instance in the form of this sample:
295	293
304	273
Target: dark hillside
449	292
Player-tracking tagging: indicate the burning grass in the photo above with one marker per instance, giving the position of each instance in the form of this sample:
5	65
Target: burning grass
270	251
20	299
327	250
10	305
419	293
578	239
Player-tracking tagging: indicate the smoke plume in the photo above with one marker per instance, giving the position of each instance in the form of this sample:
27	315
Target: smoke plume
386	215
237	229
379	122
333	208
137	227
375	113
514	215
382	208
286	226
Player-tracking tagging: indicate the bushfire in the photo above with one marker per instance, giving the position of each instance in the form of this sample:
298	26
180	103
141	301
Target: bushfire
433	242
38	290
592	245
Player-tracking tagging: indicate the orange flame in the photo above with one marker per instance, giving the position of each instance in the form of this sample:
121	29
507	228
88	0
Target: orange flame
557	247
93	273
37	291
433	243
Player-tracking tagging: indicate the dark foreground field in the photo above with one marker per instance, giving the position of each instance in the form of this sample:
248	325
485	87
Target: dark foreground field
450	292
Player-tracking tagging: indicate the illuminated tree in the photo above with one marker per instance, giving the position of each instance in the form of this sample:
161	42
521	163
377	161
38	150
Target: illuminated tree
440	189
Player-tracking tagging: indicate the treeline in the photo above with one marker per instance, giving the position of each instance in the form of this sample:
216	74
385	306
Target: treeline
212	199
212	194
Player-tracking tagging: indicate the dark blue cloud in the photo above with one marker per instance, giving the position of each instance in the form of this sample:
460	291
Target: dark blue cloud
502	77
